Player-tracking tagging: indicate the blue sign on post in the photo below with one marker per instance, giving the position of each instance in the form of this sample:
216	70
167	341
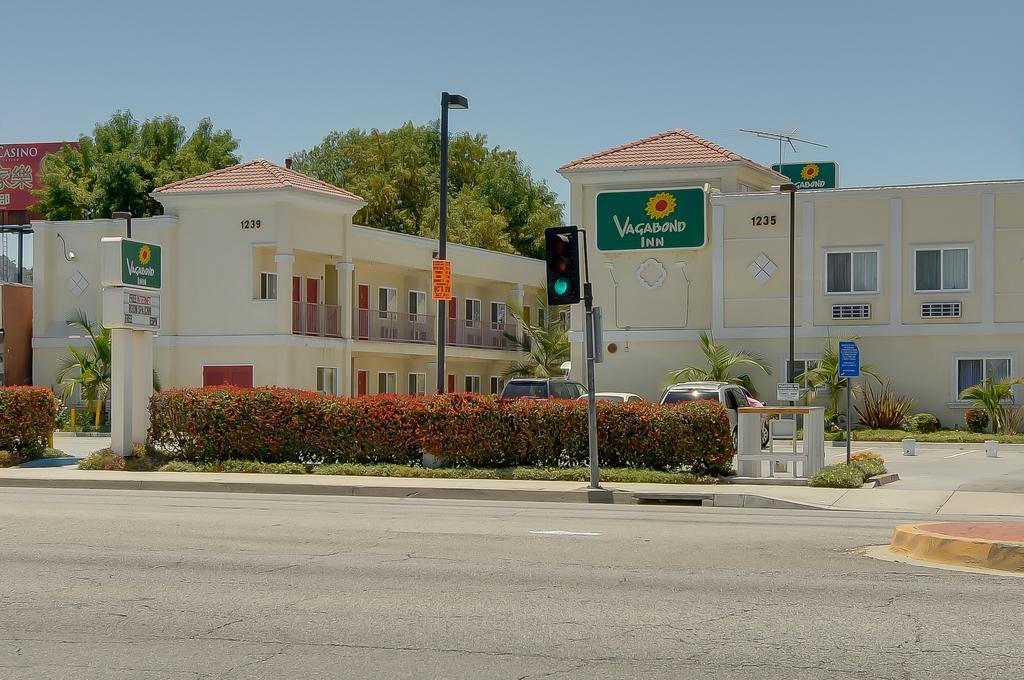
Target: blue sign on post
849	359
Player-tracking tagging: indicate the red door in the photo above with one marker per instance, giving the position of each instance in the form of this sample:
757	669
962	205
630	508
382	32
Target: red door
451	382
453	312
312	306
296	304
361	381
364	312
239	376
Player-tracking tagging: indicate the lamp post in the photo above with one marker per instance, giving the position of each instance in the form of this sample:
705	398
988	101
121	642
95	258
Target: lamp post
448	101
127	216
791	190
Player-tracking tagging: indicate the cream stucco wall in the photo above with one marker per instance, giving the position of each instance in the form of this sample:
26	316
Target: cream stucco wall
211	311
917	354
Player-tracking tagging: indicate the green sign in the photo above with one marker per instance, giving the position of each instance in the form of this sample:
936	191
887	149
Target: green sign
653	219
816	175
140	264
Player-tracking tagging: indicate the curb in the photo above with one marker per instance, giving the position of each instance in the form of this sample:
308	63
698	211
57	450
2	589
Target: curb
920	543
580	495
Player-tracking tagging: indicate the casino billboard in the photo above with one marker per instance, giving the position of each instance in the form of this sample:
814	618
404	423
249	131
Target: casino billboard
20	173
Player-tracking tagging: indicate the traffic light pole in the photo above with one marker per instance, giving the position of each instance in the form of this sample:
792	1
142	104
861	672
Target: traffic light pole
588	305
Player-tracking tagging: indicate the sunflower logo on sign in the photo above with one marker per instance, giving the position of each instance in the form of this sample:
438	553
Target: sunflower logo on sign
145	255
810	171
660	205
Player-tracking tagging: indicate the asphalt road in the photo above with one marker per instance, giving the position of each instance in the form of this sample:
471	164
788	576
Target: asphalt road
101	584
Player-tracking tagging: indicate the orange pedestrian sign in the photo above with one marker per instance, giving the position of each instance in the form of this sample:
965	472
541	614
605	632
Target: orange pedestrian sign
442	279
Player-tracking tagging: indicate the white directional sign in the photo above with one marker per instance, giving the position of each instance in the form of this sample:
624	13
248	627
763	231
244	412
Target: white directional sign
131	308
788	392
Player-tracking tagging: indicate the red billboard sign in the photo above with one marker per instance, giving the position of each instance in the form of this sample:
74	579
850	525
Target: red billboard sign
19	172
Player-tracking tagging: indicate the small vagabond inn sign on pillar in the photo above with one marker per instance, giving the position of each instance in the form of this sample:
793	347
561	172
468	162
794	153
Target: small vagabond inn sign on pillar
132	276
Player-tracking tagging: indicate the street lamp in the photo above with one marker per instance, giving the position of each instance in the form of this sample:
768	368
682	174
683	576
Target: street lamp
127	216
791	190
448	101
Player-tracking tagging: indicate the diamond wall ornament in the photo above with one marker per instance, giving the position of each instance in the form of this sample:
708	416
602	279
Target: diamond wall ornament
651	273
762	268
77	283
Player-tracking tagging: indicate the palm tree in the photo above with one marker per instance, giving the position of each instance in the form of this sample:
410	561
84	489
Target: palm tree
545	344
89	368
721	362
826	375
92	364
993	396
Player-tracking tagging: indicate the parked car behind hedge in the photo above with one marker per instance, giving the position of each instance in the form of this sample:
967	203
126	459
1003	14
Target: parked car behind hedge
278	425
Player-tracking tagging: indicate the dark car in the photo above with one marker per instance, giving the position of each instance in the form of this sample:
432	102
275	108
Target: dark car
542	388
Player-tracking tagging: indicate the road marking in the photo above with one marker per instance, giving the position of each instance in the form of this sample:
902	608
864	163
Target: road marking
566	533
963	453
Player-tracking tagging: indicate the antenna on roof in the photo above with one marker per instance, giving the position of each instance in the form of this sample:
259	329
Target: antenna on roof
783	138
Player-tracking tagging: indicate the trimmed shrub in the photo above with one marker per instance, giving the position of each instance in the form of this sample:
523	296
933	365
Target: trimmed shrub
28	416
104	459
279	425
976	420
282	425
840	476
922	422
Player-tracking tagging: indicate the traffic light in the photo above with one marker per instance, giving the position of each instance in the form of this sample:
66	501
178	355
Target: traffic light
562	252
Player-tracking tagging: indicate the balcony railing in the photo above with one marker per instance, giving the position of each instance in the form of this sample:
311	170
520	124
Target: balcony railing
373	324
315	319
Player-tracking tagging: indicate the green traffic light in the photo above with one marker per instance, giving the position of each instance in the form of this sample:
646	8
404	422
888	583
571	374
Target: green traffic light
561	286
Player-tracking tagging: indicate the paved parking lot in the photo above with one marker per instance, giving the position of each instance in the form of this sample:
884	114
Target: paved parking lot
948	467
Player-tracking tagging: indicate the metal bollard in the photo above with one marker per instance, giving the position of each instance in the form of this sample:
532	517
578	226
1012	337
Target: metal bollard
908	447
991	448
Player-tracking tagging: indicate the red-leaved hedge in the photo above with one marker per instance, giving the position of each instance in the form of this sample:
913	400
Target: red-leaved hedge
276	425
28	416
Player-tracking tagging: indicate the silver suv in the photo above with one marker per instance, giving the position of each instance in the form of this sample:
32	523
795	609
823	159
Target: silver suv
542	388
728	394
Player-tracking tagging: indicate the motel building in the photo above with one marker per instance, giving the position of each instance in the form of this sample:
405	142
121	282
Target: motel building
686	236
267	281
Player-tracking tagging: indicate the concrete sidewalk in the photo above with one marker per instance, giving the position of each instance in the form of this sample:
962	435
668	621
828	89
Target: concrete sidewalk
884	499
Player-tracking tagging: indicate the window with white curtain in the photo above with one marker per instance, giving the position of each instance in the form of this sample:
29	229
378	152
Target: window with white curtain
268	286
387	301
473	383
418	384
326	380
417	302
851	271
941	269
970	371
387	382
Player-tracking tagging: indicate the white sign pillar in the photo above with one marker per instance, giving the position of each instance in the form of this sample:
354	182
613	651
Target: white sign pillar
131	309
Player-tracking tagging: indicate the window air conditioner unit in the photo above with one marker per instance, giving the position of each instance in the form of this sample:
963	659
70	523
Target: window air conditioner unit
854	311
934	310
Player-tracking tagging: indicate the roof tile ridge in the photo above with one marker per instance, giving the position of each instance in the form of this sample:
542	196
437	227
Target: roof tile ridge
713	146
212	173
622	147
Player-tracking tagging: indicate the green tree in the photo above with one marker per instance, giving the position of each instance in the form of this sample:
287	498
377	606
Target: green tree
545	343
88	369
994	397
721	364
398	172
123	160
826	376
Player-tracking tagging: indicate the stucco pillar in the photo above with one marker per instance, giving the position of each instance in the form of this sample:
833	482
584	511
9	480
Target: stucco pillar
346	381
346	272
517	297
285	265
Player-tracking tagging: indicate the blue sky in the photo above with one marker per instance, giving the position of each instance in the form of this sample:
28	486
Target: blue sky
901	92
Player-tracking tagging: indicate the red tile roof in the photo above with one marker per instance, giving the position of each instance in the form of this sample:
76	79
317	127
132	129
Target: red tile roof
672	147
257	174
